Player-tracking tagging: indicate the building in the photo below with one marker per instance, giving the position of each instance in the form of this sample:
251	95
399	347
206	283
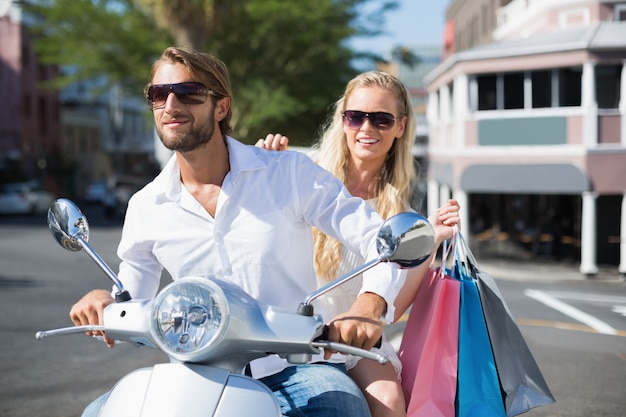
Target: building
106	136
70	138
29	122
528	130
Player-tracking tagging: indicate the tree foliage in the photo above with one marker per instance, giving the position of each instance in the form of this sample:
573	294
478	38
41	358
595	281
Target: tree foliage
96	38
288	60
405	55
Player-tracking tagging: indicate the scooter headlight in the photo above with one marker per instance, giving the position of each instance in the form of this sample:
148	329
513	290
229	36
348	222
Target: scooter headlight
188	316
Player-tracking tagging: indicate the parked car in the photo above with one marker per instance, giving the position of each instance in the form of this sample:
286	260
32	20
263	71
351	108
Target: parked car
24	198
96	193
120	191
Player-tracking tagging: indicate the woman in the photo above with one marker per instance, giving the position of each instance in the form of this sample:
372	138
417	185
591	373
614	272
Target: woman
367	145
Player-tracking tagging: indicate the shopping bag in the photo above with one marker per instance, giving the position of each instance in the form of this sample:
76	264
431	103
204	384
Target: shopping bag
521	380
429	347
478	387
522	383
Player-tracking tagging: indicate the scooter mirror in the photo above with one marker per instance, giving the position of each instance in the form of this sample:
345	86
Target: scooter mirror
69	227
407	239
67	223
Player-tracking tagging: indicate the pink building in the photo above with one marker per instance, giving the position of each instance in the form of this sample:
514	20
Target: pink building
10	82
529	131
30	130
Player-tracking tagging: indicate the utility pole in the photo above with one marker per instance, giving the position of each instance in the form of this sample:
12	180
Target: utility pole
116	111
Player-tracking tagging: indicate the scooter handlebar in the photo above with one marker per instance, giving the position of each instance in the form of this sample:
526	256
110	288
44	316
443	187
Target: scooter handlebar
43	334
322	342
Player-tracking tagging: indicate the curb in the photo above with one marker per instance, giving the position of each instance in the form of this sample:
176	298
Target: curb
542	271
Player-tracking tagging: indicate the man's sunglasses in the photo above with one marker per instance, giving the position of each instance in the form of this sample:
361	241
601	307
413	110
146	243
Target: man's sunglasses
354	119
186	93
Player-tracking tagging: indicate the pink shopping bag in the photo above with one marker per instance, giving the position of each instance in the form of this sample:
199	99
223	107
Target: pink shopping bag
429	348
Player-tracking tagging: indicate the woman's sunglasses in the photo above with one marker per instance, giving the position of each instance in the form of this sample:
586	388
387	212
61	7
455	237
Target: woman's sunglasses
354	119
186	93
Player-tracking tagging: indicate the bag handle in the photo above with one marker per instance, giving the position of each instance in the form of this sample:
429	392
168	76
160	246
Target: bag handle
464	258
449	247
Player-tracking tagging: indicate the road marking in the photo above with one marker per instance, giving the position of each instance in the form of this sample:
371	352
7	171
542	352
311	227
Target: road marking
608	299
620	310
552	323
568	310
563	326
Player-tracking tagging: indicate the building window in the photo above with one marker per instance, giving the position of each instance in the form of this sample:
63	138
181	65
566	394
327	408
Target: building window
43	116
451	99
620	12
95	136
487	92
476	30
25	56
69	140
574	17
541	89
83	140
513	90
570	86
27	109
549	88
484	20
608	85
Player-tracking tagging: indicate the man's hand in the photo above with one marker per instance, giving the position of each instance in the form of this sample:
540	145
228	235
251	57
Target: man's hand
273	142
360	326
89	310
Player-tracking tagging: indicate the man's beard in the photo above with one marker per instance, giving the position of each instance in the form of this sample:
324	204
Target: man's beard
196	137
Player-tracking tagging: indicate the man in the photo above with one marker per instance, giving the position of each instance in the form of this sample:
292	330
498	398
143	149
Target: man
223	208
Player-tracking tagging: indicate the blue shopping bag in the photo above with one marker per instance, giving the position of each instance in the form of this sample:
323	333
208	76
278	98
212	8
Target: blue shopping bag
478	386
521	382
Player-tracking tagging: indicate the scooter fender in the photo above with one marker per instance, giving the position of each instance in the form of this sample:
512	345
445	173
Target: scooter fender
172	390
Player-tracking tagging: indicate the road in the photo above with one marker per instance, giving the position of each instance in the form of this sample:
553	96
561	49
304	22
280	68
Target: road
578	340
575	328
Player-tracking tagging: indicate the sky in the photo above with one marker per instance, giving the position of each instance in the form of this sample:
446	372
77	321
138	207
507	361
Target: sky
414	23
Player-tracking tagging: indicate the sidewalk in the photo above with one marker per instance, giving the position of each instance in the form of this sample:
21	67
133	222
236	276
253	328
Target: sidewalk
542	270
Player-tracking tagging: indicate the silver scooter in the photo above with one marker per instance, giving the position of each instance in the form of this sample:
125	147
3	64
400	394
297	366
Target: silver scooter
211	329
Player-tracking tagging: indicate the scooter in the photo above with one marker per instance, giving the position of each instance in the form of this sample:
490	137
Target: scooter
211	329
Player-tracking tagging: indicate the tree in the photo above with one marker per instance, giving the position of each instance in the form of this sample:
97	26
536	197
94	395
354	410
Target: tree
288	60
405	56
92	38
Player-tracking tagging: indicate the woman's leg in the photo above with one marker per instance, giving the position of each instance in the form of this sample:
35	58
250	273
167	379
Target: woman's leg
381	388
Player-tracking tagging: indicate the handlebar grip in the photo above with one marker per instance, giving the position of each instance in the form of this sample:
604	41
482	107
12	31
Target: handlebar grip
324	336
379	342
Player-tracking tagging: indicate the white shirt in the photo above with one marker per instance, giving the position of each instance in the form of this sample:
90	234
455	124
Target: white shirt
260	238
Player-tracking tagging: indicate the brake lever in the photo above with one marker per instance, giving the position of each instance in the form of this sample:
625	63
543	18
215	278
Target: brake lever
343	348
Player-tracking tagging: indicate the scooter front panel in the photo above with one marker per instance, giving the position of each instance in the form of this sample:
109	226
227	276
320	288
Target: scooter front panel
244	396
173	390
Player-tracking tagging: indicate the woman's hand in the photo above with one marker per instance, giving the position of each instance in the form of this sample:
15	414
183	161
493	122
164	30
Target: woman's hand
444	220
273	142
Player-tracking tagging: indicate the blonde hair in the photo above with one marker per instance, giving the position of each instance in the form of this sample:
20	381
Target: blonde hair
396	178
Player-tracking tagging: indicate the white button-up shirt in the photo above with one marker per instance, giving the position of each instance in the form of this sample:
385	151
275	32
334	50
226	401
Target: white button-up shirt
260	237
